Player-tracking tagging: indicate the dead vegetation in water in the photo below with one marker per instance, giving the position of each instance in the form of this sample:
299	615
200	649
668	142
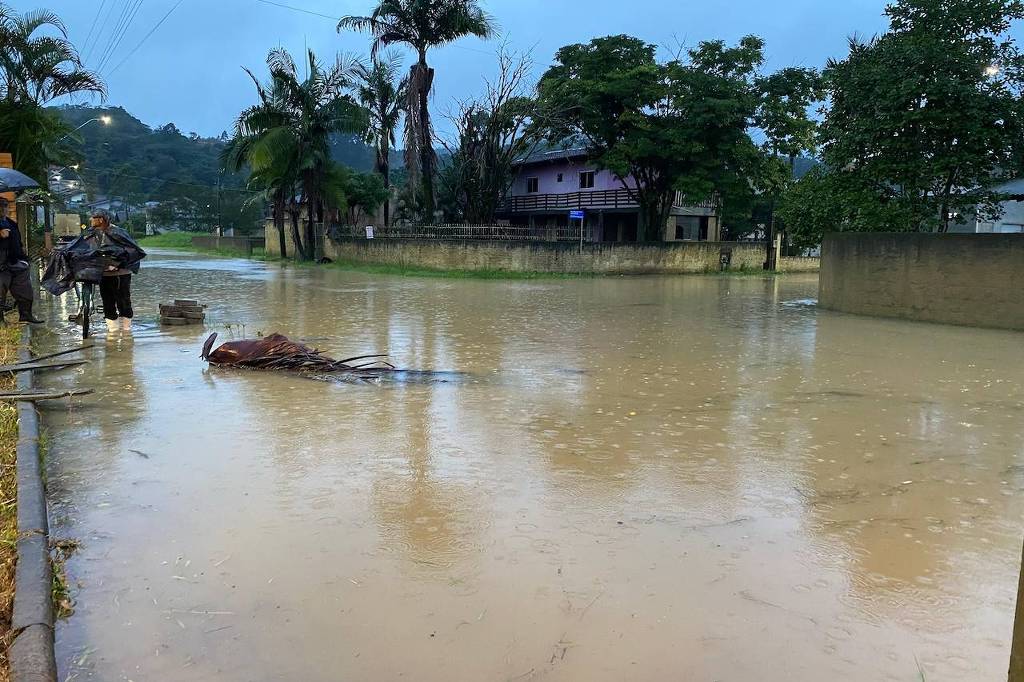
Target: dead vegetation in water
277	352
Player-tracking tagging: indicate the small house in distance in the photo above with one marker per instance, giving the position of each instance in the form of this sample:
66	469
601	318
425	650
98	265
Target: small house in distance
1012	219
550	184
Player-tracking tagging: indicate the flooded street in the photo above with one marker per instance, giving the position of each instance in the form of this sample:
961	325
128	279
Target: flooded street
658	478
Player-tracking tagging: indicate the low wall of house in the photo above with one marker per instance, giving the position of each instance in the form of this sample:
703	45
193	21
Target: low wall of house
967	279
799	264
553	257
273	241
241	244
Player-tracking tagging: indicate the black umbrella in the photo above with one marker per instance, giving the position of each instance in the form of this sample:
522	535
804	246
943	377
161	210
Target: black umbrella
15	181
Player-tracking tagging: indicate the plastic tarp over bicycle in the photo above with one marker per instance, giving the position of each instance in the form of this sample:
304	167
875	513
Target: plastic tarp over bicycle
89	256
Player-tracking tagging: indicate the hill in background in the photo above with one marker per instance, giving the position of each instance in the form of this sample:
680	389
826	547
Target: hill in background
155	164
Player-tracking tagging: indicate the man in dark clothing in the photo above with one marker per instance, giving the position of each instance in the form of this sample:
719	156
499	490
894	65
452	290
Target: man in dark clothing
14	267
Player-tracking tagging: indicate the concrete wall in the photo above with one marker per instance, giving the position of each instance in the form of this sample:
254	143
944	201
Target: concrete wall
554	257
799	264
240	244
968	279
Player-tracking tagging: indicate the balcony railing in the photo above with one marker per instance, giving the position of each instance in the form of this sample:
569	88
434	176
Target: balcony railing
601	198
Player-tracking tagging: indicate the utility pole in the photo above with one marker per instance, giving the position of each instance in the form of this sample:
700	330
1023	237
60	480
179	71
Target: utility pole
1017	643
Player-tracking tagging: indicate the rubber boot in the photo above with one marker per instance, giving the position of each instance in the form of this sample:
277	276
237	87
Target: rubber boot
25	314
112	327
126	324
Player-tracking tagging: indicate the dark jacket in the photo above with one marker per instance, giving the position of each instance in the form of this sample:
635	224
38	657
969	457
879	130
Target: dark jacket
88	258
11	250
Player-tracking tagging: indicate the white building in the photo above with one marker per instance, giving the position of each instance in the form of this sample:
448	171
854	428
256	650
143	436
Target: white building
1012	220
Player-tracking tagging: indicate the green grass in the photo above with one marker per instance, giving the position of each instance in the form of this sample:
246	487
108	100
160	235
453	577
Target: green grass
183	241
410	271
171	240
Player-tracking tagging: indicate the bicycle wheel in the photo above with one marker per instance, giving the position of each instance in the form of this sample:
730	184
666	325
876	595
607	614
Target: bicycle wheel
86	309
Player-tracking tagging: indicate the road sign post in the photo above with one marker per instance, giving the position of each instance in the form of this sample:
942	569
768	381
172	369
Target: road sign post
580	216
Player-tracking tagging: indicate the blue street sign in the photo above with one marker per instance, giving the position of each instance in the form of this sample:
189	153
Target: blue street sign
575	215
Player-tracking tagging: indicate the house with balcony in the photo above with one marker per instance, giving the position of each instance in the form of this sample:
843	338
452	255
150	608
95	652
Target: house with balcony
553	184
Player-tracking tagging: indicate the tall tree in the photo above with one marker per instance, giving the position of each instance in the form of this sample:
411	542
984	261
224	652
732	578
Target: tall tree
924	120
422	25
661	128
285	138
382	91
493	132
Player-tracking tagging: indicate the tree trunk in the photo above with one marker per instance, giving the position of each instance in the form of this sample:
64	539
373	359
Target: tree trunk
426	142
310	231
295	232
279	225
384	168
653	216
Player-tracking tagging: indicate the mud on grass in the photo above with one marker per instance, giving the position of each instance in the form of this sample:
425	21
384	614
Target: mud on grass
10	339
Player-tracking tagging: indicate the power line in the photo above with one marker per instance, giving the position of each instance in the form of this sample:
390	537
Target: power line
115	32
99	31
299	9
145	38
95	20
338	19
120	38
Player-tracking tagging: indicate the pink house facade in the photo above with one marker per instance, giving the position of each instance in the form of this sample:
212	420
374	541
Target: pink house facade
551	184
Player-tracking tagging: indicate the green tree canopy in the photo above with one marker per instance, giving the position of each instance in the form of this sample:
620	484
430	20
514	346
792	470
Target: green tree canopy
924	121
678	126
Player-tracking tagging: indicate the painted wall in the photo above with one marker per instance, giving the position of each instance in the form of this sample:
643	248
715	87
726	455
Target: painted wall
968	279
547	176
557	257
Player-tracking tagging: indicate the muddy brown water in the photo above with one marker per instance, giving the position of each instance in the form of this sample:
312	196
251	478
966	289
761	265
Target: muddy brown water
689	478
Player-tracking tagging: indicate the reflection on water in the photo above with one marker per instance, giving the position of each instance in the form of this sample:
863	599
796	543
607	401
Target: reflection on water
634	479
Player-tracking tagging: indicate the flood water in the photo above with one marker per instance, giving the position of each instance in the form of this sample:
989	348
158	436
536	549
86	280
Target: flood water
658	478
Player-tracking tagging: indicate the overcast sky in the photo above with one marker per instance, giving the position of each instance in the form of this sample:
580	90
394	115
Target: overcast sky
189	70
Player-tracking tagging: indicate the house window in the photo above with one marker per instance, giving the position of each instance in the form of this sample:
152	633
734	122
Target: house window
559	177
587	180
532	185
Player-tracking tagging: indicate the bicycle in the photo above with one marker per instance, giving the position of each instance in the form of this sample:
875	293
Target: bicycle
84	292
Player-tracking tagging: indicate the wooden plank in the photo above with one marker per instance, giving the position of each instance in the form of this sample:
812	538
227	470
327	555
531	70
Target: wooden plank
33	366
40	395
59	353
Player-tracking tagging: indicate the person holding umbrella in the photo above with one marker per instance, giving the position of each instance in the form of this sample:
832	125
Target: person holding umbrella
14	277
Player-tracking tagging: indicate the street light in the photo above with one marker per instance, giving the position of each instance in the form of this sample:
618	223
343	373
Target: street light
105	120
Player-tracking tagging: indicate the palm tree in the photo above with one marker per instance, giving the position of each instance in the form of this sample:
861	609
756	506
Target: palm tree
39	68
286	139
271	175
421	24
380	89
35	69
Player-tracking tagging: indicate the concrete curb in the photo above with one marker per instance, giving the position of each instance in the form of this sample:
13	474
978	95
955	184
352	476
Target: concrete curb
31	654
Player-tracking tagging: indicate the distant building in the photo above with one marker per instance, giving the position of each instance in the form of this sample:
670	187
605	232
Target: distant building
1012	220
550	184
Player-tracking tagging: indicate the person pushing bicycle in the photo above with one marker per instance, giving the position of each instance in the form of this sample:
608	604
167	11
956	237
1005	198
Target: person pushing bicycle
118	266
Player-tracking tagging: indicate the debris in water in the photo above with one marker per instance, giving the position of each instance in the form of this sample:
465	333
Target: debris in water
278	352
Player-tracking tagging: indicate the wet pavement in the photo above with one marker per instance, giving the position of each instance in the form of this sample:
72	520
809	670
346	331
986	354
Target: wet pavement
688	478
